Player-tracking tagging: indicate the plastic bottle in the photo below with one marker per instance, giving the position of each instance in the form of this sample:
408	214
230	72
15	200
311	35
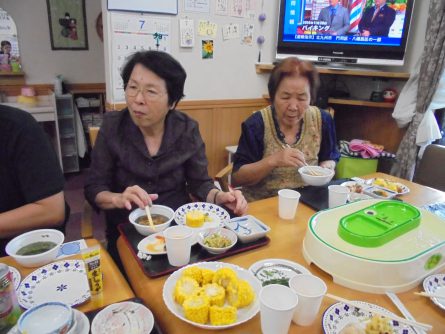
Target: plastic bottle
58	85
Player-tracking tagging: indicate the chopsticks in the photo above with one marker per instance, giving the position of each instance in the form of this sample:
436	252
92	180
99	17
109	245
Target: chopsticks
308	168
150	220
363	307
430	295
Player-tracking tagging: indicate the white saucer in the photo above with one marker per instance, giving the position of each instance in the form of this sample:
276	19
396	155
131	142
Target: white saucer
436	284
278	271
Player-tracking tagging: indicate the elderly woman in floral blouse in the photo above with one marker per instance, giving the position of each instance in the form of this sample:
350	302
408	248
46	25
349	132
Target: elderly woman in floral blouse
150	151
286	135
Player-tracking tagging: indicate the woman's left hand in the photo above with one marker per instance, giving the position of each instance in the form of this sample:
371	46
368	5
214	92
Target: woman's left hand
233	200
328	164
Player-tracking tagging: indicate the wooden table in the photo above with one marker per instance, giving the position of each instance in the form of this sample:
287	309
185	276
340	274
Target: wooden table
116	288
286	240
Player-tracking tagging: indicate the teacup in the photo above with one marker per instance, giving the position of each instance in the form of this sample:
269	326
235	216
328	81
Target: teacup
46	318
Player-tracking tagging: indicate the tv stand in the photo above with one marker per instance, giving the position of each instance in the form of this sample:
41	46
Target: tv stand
360	118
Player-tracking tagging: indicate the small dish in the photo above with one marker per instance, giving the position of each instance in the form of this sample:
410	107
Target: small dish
378	192
155	210
123	318
436	284
217	233
396	187
339	315
276	271
247	228
154	244
354	197
50	317
355	187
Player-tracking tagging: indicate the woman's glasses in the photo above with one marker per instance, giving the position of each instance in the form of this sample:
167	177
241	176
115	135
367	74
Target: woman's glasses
149	94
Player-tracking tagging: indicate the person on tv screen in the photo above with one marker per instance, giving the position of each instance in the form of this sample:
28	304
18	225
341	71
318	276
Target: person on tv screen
377	20
286	135
336	16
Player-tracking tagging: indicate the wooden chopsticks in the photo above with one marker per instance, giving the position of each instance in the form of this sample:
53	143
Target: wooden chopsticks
311	171
425	327
430	295
150	220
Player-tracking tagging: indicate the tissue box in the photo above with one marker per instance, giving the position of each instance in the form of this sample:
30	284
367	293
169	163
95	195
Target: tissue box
349	167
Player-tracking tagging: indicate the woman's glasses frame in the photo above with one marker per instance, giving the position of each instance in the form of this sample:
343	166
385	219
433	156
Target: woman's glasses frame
149	94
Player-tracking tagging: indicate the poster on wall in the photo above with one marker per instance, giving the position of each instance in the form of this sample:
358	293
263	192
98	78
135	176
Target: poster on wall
130	33
144	6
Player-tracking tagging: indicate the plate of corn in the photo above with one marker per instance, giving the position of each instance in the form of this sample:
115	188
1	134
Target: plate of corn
212	295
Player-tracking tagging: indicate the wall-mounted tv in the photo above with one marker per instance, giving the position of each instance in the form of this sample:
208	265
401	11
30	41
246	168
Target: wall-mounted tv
351	32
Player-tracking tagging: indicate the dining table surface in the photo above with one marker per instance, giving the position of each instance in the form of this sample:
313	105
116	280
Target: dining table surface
286	238
116	288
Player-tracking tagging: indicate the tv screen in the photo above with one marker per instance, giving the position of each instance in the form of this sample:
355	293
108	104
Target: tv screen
371	32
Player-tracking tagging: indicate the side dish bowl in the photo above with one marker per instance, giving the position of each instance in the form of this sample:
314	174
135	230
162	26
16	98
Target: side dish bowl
215	234
316	175
154	210
45	244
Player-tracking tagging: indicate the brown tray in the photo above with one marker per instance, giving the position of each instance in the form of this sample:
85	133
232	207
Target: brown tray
158	264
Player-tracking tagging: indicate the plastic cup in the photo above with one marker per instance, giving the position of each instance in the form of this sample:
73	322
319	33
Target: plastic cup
178	240
338	195
277	305
310	290
287	203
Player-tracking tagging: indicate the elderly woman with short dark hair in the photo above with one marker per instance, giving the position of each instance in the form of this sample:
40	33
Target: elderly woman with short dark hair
150	151
288	134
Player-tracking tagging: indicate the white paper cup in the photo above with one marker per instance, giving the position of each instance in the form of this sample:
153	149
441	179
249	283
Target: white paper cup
287	203
178	240
277	305
338	195
310	290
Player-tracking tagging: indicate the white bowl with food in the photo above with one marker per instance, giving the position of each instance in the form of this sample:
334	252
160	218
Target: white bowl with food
35	248
217	240
161	215
316	175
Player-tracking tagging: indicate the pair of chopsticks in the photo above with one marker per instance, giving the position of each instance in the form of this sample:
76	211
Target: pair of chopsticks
150	220
429	295
363	307
311	171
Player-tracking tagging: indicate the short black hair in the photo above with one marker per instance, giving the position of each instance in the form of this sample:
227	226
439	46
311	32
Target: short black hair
164	66
3	43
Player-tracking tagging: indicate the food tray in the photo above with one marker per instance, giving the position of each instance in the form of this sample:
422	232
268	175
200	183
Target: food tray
317	197
378	224
158	264
156	329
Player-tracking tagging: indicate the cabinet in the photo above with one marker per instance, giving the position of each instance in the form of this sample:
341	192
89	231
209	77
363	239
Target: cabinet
357	117
67	132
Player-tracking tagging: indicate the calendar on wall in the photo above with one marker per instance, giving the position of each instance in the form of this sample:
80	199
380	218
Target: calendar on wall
129	33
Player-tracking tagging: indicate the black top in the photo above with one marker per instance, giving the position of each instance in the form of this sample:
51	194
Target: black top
29	168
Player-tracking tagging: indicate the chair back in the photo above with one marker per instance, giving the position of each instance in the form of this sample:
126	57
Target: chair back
430	170
223	177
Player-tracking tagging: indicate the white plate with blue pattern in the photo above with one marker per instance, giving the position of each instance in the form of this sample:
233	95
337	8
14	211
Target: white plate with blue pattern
63	281
339	315
215	215
436	284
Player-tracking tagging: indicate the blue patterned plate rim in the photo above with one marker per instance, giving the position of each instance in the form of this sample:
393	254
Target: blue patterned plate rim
217	213
431	285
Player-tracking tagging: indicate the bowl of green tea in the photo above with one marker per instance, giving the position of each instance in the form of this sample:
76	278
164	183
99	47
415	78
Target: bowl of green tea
35	248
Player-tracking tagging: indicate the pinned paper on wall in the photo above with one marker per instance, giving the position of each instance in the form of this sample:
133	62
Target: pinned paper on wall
222	7
207	49
230	31
237	8
251	8
247	34
202	6
187	33
129	33
207	28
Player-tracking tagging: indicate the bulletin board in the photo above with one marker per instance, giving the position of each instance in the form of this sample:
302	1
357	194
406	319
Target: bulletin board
150	6
129	33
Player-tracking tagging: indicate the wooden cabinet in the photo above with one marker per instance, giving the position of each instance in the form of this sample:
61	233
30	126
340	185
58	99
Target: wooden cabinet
67	132
358	117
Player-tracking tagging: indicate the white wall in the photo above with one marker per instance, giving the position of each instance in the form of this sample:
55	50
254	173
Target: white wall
230	75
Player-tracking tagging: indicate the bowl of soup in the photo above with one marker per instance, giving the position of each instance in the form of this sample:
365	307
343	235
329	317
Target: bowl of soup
161	215
35	248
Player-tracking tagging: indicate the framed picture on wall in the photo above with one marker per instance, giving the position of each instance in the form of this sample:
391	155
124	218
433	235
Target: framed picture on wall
67	24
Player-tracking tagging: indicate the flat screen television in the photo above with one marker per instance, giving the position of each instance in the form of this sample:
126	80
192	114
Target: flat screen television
355	33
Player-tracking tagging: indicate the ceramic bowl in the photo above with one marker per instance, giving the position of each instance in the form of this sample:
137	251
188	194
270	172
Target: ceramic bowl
247	228
155	209
219	231
46	318
322	177
25	239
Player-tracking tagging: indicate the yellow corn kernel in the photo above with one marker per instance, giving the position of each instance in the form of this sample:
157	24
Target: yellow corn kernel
222	315
185	287
196	308
194	218
194	272
224	277
240	294
215	293
207	275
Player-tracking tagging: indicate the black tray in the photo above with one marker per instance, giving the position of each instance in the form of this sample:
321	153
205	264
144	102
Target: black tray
317	197
158	264
156	329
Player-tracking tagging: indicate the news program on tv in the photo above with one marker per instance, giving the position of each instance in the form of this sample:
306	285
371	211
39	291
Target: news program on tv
347	22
